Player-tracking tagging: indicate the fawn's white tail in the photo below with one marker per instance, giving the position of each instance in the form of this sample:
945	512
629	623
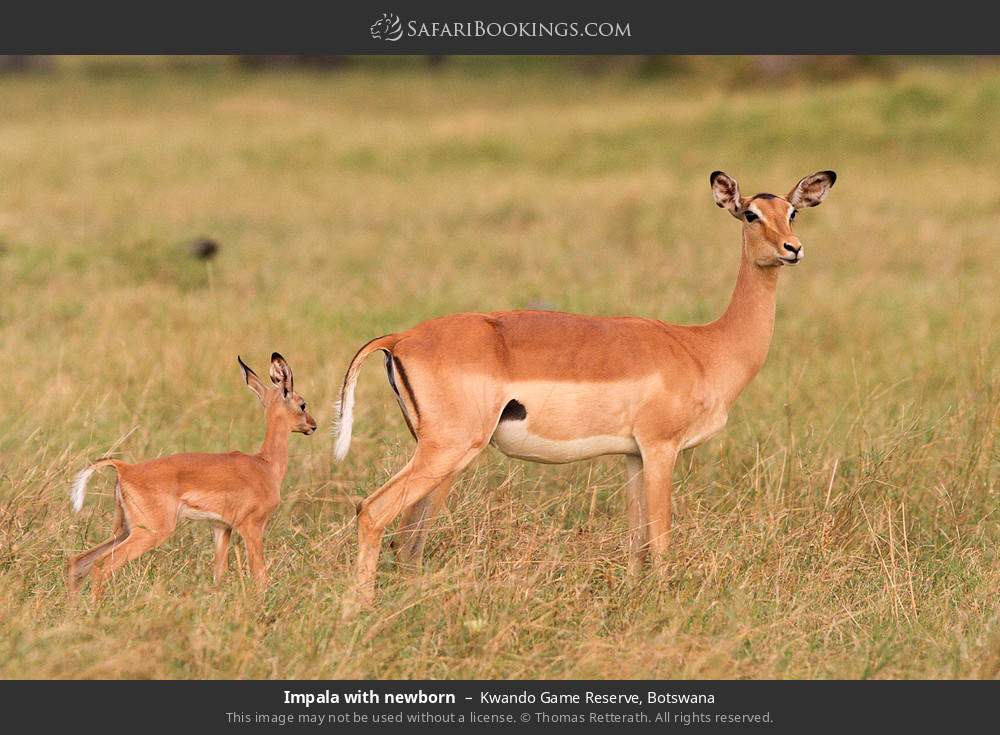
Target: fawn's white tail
345	407
79	488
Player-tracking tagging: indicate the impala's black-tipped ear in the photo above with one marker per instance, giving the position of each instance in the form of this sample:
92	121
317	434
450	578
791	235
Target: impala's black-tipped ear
281	373
812	190
726	192
253	382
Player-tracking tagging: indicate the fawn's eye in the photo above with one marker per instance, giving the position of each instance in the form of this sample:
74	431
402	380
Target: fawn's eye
750	216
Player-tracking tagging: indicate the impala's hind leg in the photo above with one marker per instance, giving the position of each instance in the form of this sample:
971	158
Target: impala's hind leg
638	518
431	465
416	523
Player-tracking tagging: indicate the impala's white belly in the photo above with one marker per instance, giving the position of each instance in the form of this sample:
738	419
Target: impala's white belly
567	422
514	439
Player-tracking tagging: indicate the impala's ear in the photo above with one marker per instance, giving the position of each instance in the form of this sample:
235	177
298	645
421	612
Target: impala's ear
726	192
812	189
255	383
281	374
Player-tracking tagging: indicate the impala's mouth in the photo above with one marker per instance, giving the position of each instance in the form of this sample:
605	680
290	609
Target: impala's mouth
791	261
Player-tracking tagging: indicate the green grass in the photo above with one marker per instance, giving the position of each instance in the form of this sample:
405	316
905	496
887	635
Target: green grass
845	524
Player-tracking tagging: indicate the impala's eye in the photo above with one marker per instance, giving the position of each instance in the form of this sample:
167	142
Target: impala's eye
750	216
303	407
791	216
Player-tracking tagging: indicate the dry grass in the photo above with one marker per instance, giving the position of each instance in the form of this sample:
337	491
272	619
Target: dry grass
844	525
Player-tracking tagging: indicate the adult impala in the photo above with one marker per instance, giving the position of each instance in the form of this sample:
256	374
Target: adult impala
553	387
233	490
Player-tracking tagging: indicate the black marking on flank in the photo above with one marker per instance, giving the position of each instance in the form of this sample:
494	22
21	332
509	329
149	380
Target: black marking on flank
514	411
406	384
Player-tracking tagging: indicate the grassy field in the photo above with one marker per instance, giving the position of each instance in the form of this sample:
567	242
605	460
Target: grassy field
844	525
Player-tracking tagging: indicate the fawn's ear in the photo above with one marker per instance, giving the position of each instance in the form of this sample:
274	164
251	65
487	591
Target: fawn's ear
726	192
281	374
255	383
812	189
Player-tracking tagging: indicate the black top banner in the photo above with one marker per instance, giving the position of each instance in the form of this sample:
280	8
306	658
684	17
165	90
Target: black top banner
450	27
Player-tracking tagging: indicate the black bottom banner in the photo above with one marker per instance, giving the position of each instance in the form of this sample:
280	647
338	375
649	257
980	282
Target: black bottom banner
557	706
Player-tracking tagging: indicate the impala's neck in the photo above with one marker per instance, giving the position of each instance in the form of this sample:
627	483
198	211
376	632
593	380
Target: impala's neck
746	326
275	446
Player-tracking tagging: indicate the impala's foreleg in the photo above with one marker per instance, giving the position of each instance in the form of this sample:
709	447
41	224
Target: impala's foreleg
638	517
658	460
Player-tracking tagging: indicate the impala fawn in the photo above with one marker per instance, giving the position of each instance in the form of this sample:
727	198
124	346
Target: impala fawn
233	490
550	387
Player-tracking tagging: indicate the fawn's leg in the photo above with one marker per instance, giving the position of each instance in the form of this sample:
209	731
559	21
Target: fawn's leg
638	520
221	534
253	538
138	542
81	564
149	518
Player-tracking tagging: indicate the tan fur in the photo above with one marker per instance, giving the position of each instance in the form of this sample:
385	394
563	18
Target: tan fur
233	490
589	385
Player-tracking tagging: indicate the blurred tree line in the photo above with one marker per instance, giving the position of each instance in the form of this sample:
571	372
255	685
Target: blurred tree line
723	69
765	68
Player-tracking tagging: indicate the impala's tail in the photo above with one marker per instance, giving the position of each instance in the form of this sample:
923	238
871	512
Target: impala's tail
345	407
79	488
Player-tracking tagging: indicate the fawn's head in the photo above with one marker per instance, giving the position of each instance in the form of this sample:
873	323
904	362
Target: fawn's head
767	219
281	402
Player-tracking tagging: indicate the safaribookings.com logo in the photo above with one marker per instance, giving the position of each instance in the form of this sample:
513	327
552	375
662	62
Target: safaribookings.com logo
387	28
390	28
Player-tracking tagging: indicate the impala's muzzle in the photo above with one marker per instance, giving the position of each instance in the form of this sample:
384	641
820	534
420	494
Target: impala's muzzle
794	253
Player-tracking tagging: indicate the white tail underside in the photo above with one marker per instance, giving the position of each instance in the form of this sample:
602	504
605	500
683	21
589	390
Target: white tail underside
79	488
345	422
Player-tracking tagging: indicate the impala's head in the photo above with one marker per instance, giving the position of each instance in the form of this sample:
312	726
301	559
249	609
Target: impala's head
280	400
767	218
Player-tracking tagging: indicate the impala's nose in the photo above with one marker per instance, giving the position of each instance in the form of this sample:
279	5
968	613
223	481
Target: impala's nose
793	249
